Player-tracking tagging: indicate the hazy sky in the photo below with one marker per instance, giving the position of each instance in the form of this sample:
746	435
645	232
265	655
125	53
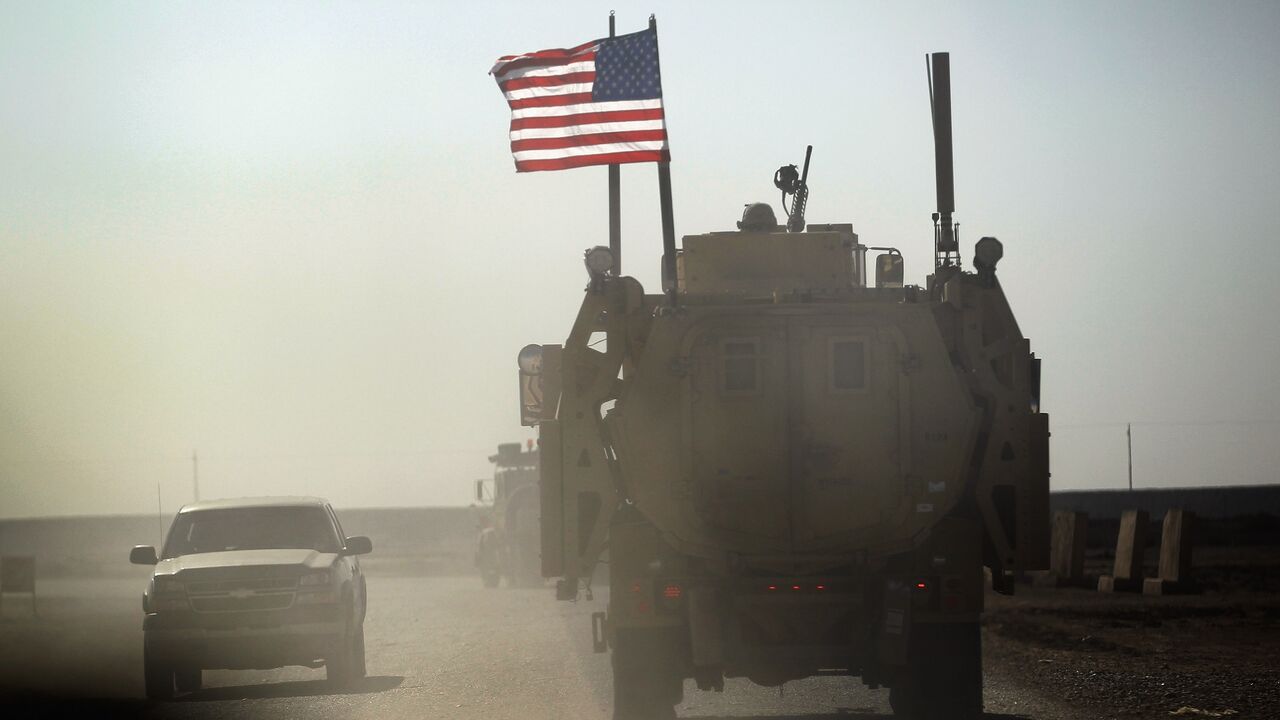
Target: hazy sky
290	236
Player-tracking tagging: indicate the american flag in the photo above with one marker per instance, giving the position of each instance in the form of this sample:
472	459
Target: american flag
596	104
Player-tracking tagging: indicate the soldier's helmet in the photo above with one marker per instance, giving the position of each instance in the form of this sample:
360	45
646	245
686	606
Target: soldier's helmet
758	216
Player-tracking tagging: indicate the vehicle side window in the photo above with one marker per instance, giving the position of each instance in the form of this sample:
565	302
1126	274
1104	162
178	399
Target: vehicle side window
337	526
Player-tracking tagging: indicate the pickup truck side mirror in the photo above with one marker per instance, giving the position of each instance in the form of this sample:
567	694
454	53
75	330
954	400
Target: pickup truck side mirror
358	545
143	555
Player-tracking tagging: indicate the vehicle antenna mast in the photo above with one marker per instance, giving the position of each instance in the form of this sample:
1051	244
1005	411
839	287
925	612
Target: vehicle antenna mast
946	239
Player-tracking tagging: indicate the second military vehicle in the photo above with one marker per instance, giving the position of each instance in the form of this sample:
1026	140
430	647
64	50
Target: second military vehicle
508	542
796	472
252	583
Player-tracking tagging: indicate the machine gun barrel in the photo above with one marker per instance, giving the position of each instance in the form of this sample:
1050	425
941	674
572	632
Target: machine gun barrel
795	223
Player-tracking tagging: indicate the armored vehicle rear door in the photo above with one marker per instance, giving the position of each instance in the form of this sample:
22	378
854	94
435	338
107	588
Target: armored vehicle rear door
738	440
848	404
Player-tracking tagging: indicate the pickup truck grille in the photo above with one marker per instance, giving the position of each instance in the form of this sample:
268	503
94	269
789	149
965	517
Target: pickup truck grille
267	584
226	603
242	594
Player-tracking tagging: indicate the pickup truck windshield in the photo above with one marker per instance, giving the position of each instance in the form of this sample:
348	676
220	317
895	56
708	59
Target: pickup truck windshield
259	528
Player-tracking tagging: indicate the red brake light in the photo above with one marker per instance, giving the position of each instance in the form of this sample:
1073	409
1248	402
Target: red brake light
672	592
795	587
820	587
773	587
922	585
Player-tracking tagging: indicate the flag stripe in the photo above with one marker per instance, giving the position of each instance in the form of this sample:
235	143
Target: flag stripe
581	63
587	128
606	159
510	63
585	107
548	80
548	101
587	139
580	118
553	91
602	149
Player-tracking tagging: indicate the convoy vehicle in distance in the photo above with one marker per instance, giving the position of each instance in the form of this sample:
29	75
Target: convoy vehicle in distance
253	583
795	472
508	542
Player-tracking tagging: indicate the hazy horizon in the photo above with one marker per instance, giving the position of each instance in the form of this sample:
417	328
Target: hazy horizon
290	237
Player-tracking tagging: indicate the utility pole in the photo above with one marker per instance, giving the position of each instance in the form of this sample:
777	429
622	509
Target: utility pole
1129	433
159	515
195	477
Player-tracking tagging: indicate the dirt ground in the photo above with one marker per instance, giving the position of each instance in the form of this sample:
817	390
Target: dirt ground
1213	654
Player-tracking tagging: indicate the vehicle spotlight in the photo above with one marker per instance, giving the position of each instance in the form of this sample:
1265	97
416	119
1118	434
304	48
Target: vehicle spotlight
530	359
599	260
987	253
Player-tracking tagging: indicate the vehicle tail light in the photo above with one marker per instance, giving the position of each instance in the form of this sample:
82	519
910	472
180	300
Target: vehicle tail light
672	592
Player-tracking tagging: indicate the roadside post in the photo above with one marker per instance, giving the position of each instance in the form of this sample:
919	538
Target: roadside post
18	575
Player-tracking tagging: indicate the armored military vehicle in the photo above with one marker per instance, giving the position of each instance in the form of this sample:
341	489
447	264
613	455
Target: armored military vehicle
796	472
508	542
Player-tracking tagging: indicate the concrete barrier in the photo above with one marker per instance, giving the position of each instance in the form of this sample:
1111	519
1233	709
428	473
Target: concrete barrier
1066	555
1176	544
1128	573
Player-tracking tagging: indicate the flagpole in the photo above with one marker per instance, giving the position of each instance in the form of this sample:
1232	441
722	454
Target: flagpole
615	201
668	220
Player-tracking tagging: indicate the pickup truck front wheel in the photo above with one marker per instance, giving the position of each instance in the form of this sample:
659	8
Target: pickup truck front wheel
157	674
346	662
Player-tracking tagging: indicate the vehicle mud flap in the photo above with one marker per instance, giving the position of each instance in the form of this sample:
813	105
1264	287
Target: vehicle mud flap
894	640
706	634
599	638
647	680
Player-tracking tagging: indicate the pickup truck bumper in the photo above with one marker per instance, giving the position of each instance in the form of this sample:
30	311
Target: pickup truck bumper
242	643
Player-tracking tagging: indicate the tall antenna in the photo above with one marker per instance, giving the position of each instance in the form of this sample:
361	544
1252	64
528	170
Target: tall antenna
945	241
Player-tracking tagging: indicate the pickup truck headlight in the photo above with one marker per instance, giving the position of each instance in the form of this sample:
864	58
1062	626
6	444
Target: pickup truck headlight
168	586
167	595
316	587
315	580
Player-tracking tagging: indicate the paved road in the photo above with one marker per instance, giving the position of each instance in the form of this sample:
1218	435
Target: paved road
436	647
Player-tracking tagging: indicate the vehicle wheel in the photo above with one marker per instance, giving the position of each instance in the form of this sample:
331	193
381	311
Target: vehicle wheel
945	677
339	666
646	682
357	654
157	675
188	679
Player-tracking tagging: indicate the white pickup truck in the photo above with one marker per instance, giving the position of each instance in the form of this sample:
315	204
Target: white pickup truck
253	583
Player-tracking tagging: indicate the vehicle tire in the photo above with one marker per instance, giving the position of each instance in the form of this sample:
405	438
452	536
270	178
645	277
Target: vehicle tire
646	682
339	666
944	680
188	679
358	669
157	674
